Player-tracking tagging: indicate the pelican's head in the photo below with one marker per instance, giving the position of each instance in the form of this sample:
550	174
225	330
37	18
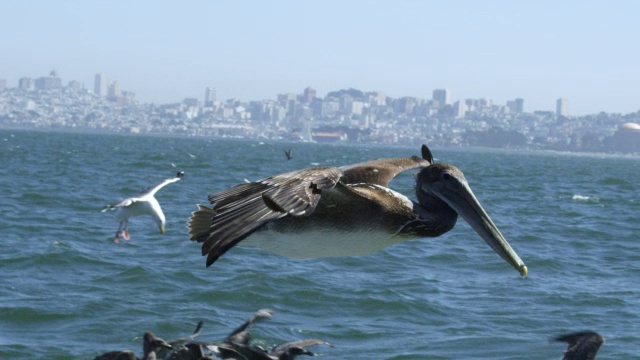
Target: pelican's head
447	184
151	343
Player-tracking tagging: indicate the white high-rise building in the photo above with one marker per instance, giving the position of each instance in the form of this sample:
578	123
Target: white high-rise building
561	107
100	86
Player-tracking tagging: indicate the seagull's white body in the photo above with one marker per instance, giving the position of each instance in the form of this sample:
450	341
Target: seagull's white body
144	204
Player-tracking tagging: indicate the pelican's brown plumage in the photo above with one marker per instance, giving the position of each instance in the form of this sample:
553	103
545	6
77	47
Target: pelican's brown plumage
581	345
338	211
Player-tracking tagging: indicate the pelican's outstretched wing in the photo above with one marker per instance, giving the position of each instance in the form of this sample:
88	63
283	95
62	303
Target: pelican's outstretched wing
381	171
153	190
241	210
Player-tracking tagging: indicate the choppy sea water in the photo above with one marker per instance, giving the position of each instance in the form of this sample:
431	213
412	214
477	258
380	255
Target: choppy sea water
68	292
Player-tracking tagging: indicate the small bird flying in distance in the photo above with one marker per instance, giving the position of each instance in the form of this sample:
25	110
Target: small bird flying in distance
143	204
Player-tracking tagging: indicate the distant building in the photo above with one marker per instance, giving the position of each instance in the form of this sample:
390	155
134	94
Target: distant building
209	96
379	98
516	106
459	109
193	102
308	95
442	96
114	91
627	138
561	107
26	83
404	105
74	85
100	85
49	82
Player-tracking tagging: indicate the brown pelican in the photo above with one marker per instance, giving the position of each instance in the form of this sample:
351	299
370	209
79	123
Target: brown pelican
341	211
182	348
289	154
143	204
582	345
237	344
150	344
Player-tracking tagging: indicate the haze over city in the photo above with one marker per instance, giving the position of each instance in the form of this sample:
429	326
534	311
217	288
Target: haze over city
166	51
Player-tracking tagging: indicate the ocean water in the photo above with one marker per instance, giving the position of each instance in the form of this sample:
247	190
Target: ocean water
67	291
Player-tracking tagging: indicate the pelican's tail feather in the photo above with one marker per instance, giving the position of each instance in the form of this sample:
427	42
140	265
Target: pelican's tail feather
236	214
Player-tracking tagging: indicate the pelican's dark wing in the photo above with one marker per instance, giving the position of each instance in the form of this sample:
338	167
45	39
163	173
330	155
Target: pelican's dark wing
381	171
239	211
583	345
195	333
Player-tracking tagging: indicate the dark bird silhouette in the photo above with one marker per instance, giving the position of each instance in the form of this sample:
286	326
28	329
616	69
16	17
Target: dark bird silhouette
343	211
143	204
182	348
150	345
291	349
582	345
289	154
237	344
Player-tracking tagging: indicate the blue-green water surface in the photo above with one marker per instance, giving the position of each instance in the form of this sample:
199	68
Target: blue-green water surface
67	291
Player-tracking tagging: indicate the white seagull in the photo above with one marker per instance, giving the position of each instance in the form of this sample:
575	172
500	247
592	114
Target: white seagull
143	204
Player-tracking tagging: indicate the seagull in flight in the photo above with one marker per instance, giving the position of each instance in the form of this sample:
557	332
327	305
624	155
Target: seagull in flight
143	204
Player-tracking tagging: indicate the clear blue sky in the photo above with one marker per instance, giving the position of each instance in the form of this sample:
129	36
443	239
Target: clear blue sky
164	51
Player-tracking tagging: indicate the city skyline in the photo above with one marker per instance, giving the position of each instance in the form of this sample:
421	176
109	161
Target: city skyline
164	52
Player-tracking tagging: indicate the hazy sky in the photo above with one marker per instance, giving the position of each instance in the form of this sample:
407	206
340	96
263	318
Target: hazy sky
585	51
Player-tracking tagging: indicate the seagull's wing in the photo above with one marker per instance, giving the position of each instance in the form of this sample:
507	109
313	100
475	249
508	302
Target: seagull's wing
381	171
153	190
239	211
122	204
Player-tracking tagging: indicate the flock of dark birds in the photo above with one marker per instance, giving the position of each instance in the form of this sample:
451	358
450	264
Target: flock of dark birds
320	212
236	346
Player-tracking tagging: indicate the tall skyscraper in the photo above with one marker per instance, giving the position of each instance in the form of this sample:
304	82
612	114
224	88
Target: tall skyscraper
309	95
209	96
100	86
441	96
561	107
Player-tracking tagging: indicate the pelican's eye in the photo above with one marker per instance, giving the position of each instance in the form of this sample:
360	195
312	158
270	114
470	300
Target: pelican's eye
447	176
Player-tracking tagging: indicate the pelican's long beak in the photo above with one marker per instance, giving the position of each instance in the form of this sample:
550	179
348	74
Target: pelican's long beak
162	230
464	202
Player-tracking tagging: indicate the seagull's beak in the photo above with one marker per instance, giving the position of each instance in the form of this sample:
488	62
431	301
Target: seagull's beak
458	195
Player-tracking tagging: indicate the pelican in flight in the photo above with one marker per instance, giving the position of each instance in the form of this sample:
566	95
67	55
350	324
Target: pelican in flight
143	204
343	211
